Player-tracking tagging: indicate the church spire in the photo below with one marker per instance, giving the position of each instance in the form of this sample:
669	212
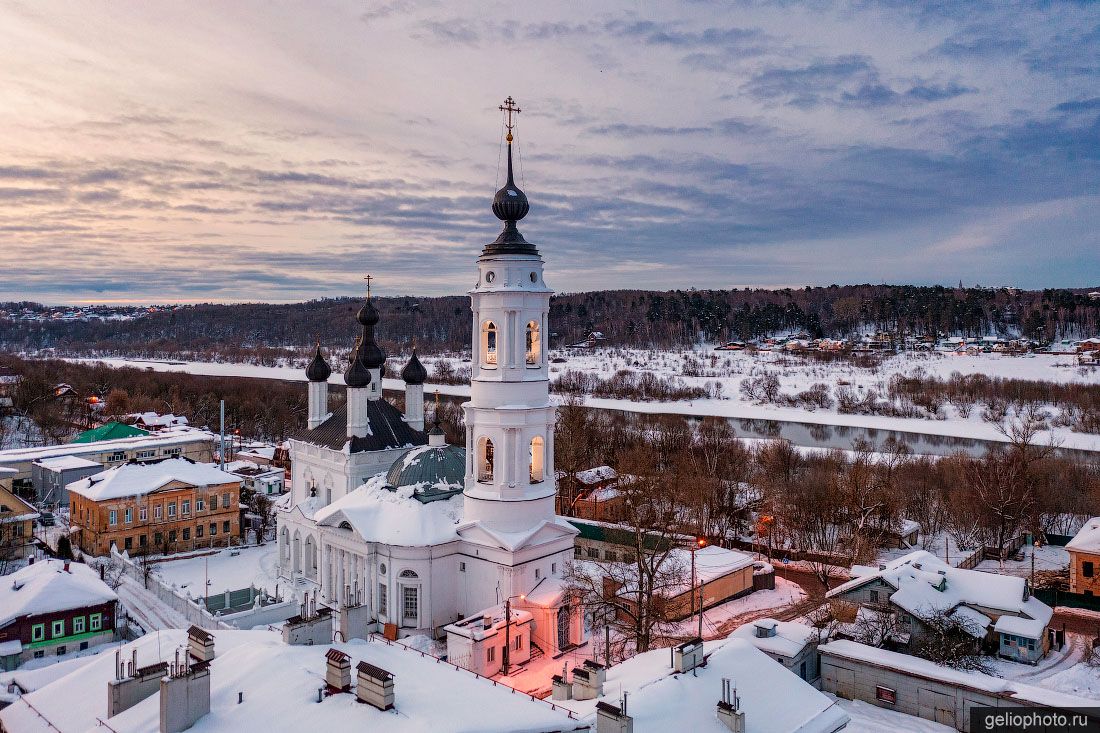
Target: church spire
510	203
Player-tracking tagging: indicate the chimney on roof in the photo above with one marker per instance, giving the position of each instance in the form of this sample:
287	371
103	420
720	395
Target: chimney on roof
687	656
132	684
612	719
184	695
200	644
66	566
337	670
730	713
374	686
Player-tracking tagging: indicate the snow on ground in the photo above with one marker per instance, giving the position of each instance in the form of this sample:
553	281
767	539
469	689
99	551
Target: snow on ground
254	565
148	610
1080	679
868	718
1047	557
719	619
729	368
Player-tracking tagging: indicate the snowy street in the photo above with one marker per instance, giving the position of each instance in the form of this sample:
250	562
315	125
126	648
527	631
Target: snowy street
147	609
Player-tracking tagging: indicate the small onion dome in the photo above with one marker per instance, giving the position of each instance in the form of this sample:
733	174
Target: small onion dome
367	315
357	373
510	203
318	369
414	372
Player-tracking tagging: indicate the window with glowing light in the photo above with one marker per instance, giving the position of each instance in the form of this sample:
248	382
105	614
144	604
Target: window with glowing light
489	344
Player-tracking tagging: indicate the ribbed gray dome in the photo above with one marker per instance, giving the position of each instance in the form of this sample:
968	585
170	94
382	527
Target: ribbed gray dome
436	471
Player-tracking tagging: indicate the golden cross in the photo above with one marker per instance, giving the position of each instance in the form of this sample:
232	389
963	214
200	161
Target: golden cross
368	278
509	107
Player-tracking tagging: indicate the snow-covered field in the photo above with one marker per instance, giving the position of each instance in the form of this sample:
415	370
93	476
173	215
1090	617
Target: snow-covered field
795	374
252	566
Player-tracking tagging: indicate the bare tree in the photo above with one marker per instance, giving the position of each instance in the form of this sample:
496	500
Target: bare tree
632	595
950	640
877	627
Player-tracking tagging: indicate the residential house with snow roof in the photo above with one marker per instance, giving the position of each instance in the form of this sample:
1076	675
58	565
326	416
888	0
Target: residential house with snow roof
1084	559
53	608
793	645
17	519
163	506
400	531
997	610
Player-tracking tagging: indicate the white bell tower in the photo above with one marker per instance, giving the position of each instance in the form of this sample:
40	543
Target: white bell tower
509	418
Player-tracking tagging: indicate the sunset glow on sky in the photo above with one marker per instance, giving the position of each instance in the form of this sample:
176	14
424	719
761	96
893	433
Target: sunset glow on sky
157	151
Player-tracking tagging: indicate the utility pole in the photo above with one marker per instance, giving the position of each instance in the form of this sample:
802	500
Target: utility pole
221	435
507	658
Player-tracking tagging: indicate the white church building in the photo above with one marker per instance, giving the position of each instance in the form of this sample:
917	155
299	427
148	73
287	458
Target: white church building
399	531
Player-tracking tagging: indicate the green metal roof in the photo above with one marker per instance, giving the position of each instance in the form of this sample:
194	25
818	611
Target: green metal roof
109	431
616	535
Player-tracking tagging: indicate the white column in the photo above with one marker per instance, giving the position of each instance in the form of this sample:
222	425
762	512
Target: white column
414	405
318	403
358	400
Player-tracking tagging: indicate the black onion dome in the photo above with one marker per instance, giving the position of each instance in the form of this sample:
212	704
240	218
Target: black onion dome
318	369
414	372
370	353
367	315
510	205
357	373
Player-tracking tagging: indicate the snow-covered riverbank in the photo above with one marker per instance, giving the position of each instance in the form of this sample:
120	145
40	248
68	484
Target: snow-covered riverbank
731	368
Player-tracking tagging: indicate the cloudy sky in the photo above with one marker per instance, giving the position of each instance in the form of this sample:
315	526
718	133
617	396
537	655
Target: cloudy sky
163	151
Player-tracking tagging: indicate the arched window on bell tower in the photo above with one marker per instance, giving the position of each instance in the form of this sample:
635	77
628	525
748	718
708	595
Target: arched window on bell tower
484	460
489	344
538	459
534	344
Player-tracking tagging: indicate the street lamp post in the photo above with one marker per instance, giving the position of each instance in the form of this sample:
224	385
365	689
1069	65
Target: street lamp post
700	543
508	630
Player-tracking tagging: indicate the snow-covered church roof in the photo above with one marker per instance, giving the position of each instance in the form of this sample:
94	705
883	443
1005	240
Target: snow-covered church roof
394	516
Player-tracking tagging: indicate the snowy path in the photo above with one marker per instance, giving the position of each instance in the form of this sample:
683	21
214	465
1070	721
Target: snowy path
147	609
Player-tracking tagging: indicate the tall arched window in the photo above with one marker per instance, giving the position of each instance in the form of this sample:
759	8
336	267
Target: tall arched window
538	459
534	344
489	344
484	460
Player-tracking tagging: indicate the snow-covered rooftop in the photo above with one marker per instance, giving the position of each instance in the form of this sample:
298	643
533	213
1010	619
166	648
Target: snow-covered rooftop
790	637
45	587
394	517
169	437
136	479
774	699
279	684
926	585
596	475
976	680
64	463
1087	538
